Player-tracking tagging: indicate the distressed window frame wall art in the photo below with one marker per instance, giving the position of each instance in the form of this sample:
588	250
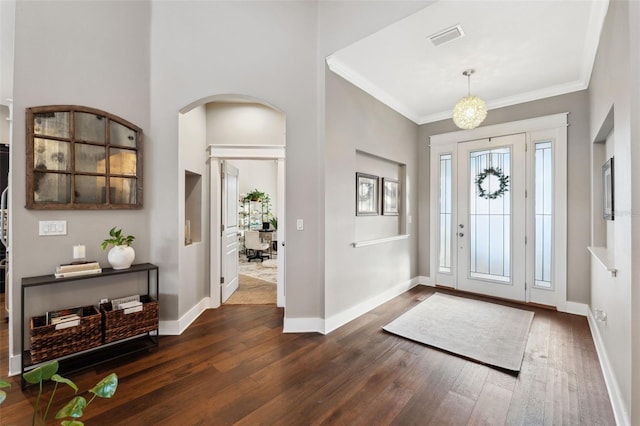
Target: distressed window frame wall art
74	153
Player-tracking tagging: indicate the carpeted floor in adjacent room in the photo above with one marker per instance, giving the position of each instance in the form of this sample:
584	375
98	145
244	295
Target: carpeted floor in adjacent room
253	291
256	283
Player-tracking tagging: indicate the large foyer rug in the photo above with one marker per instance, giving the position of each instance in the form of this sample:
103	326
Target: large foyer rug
485	332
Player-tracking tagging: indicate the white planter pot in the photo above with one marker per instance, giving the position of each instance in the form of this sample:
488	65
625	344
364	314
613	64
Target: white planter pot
121	257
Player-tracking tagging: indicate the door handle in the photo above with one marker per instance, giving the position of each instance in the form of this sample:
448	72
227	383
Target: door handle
460	234
283	244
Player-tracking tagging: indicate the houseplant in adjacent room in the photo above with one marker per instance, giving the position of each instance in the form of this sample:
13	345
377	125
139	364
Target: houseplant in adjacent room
121	255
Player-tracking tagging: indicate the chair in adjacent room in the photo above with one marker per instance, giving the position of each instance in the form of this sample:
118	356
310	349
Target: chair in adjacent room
254	247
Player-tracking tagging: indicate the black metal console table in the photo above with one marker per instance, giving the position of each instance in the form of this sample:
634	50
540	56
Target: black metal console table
106	352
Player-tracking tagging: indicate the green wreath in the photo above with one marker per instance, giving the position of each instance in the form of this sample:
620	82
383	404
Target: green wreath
504	183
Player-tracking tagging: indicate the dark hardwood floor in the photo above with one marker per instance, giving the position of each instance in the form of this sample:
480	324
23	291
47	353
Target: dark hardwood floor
235	366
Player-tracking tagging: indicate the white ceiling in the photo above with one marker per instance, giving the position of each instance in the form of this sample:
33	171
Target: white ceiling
520	50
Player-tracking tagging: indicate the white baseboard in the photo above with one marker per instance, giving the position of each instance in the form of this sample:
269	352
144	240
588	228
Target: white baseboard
176	327
615	395
422	280
15	365
303	325
574	308
354	312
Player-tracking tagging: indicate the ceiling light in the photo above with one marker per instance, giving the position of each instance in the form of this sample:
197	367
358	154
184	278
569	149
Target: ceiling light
470	111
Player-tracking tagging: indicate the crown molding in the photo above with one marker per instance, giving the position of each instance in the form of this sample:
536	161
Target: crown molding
355	78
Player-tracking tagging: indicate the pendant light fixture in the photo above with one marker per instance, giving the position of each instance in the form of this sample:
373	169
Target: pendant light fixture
470	111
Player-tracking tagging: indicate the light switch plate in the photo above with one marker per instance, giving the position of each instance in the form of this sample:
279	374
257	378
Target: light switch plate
52	227
299	224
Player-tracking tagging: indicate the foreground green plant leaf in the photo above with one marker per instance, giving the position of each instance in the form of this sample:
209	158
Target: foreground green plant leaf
71	423
106	387
4	384
58	378
41	373
74	408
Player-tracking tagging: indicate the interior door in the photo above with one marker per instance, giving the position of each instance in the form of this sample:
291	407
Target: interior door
229	240
491	218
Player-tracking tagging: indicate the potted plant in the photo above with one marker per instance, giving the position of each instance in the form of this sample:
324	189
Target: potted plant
121	255
254	195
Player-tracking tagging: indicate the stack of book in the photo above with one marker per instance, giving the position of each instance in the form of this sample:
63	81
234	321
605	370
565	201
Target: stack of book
78	268
64	321
129	304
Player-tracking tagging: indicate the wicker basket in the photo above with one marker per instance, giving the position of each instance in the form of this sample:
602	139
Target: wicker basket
48	343
117	325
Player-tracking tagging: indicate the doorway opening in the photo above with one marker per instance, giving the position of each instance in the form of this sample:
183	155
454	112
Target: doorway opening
257	232
245	146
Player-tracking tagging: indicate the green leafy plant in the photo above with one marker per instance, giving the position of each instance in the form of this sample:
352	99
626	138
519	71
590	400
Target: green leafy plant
274	222
117	239
3	394
74	409
254	195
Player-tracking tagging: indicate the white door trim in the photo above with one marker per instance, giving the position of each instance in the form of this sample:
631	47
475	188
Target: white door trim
551	127
245	152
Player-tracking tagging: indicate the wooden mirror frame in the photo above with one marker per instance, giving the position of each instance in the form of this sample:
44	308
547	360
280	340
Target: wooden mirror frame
71	171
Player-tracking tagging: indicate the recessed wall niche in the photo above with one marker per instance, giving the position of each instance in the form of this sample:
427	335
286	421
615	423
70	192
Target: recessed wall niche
388	221
192	207
82	158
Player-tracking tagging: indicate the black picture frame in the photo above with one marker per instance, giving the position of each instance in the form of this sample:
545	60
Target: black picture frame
366	194
608	190
390	197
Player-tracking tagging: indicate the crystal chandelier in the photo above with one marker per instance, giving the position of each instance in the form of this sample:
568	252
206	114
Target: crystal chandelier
470	111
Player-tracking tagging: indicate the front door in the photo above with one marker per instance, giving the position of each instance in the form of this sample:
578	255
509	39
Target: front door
491	217
229	238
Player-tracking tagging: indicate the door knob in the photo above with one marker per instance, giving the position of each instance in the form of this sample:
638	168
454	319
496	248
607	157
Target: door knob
461	226
460	234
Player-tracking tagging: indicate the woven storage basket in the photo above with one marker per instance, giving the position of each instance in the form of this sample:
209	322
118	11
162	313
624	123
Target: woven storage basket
117	325
48	343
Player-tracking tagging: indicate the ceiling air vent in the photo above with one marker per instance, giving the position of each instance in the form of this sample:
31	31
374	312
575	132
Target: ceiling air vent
445	36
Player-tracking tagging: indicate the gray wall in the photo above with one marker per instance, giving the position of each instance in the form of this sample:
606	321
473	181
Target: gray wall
201	49
612	82
79	53
578	180
358	122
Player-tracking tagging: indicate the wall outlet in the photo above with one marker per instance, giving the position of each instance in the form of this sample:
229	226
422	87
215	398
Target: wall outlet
52	227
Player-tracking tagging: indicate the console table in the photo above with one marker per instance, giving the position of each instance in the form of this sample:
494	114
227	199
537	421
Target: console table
106	352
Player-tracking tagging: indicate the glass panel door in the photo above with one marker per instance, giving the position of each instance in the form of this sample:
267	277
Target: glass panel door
491	217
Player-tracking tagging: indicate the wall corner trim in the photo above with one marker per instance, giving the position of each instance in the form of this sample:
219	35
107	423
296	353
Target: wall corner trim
177	327
354	312
303	325
574	308
615	395
422	280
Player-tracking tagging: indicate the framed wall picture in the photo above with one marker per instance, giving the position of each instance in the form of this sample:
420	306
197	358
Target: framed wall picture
366	194
608	189
390	197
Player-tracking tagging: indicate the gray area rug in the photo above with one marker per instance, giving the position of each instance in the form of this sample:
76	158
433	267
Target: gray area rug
485	332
